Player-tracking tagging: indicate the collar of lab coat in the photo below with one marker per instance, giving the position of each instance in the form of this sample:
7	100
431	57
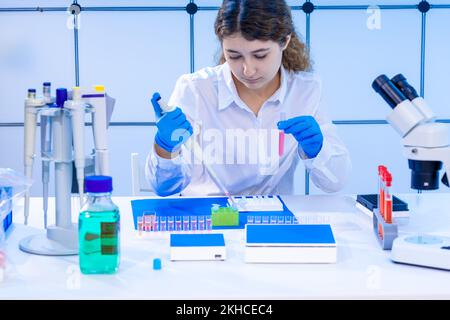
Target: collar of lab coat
228	93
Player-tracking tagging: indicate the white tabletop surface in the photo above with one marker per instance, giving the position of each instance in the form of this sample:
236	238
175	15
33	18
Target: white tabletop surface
362	271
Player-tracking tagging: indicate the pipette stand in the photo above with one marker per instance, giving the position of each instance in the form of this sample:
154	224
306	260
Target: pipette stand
389	230
60	239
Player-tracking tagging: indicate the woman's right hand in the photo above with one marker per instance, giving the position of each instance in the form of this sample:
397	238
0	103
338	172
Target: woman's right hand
173	128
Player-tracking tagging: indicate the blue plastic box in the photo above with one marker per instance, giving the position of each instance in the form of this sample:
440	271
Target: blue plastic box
6	193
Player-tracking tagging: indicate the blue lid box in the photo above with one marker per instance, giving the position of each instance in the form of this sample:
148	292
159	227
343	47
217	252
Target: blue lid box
296	243
209	246
6	207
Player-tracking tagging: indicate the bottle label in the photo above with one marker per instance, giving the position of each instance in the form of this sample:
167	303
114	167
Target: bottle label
109	238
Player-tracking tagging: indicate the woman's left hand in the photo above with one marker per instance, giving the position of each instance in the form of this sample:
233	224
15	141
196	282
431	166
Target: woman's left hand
306	131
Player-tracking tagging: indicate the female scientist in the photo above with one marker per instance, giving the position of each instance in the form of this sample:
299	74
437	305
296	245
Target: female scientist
238	112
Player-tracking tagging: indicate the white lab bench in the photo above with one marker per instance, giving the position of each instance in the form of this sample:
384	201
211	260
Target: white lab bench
362	271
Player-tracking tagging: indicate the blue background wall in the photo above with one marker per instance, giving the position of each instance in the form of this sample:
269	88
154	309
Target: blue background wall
137	47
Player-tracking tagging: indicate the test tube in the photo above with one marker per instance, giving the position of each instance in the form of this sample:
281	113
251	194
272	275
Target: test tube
163	223
388	198
186	223
382	198
281	136
140	222
280	220
288	220
208	223
250	219
155	223
148	222
201	223
273	219
170	223
294	220
178	223
257	219
194	223
265	219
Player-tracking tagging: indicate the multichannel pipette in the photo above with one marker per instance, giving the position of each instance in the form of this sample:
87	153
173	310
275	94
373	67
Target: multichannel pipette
195	148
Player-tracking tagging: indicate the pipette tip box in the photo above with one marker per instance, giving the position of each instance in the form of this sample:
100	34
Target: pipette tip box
257	203
195	247
299	243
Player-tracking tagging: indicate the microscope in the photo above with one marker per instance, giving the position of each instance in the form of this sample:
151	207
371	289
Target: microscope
426	143
62	122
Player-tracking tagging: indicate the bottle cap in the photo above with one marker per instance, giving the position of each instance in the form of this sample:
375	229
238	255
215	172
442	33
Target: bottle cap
98	184
99	88
388	179
156	264
61	97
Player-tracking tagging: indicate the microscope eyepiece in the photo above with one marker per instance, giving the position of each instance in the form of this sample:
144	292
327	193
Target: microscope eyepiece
388	91
402	84
397	78
379	82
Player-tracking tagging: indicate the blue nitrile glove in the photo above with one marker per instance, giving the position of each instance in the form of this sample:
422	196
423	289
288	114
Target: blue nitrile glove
173	127
306	131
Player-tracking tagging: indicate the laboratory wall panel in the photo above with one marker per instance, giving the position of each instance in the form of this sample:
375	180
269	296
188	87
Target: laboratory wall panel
370	146
11	146
133	54
218	3
123	142
437	57
208	3
348	56
128	3
34	3
91	3
299	18
206	45
34	47
364	2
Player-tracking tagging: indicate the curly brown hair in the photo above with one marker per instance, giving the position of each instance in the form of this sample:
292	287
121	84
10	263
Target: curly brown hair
263	20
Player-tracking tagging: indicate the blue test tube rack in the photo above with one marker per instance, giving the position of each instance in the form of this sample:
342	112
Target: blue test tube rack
153	222
274	219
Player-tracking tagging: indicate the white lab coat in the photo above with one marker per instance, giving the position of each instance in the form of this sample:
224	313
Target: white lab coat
209	99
